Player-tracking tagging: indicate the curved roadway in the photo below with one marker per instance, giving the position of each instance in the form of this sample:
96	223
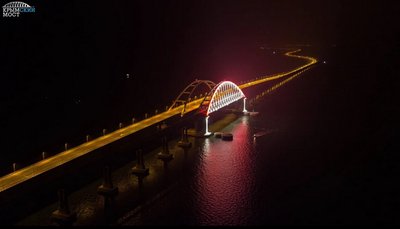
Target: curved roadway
21	175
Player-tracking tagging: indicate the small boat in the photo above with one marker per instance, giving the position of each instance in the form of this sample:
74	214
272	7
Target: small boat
262	133
259	134
253	113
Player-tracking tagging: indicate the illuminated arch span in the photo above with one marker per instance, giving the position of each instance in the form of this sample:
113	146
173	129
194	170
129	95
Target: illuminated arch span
16	4
223	94
184	96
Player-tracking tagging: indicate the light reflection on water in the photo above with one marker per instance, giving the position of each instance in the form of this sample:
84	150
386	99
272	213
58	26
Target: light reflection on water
223	183
218	189
218	186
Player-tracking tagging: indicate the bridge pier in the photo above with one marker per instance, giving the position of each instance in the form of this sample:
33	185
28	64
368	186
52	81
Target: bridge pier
207	133
164	154
162	126
140	169
244	106
63	216
184	142
200	128
107	189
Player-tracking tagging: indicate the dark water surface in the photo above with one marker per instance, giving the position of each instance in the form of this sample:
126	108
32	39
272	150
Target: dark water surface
88	205
243	182
326	156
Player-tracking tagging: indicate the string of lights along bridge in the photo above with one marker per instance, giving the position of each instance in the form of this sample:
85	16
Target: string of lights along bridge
220	95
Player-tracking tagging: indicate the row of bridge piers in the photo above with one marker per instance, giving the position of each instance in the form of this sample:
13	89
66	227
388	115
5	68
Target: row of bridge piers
63	216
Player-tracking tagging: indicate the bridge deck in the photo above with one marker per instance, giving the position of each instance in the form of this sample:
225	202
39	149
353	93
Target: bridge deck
45	165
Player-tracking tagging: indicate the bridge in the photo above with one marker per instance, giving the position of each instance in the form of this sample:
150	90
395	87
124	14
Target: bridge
220	95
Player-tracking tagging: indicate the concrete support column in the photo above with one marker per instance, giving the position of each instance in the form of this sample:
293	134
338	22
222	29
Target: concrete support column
207	133
107	189
63	216
244	105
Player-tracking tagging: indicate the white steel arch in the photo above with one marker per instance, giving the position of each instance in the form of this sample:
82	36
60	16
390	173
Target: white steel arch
16	4
223	94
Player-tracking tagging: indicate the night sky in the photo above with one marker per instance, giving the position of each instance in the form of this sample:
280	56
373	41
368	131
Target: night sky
75	67
64	67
